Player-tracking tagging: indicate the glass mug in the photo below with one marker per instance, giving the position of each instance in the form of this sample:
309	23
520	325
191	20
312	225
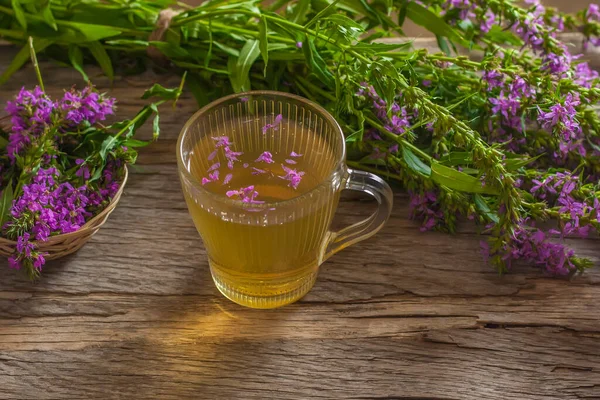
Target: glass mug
267	254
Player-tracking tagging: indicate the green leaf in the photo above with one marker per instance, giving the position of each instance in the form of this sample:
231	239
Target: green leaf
48	17
22	57
226	49
301	8
162	92
89	32
19	13
402	12
482	205
107	145
316	63
329	9
3	142
171	50
501	35
263	42
513	164
443	45
457	180
102	58
135	143
457	158
430	21
239	67
76	58
415	162
6	203
156	127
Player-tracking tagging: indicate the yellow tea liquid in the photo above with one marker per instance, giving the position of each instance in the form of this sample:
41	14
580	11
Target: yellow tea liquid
267	254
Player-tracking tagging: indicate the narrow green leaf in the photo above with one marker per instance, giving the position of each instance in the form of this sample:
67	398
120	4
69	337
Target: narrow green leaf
263	42
89	32
443	45
3	142
316	63
171	51
226	49
22	57
402	12
135	143
19	13
102	58
239	67
300	11
323	13
457	158
107	145
513	164
48	17
415	162
6	203
429	20
485	209
76	58
457	180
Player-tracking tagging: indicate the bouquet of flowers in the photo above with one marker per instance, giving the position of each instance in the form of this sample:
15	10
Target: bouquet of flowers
60	167
509	139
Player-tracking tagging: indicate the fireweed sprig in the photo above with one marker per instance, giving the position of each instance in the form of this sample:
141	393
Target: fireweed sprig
508	141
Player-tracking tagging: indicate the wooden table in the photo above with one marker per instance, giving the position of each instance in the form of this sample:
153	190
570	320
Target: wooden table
404	315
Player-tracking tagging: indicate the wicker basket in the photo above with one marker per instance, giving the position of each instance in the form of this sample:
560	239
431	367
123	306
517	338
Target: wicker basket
61	245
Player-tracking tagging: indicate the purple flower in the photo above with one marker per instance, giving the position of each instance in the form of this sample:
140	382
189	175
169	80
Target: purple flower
274	126
493	79
593	12
213	167
227	179
295	155
507	106
265	157
584	75
292	176
563	117
24	246
231	156
83	170
221	141
489	20
86	105
299	45
258	171
290	161
425	207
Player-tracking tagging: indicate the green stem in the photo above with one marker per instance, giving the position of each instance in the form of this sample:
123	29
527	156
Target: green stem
36	66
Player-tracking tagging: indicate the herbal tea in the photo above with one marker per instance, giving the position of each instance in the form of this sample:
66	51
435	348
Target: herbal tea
269	255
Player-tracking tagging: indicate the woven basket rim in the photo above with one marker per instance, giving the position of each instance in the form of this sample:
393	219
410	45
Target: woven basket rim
90	225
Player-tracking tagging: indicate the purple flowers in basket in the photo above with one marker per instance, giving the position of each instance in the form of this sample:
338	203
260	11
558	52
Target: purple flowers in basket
59	167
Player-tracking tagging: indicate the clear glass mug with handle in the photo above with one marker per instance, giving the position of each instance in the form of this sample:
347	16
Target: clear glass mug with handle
266	240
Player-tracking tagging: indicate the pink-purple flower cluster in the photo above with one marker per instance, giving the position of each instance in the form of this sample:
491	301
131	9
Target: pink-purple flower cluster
533	246
426	208
54	193
558	189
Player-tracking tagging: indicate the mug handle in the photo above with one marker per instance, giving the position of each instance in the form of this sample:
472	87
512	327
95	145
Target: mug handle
369	183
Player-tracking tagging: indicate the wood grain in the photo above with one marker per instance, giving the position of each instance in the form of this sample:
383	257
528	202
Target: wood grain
404	315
